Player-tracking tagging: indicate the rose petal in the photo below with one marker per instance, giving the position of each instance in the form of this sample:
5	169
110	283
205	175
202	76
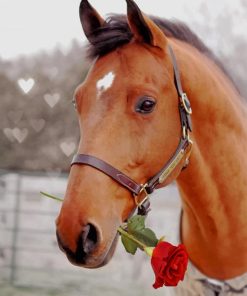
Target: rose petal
169	264
159	282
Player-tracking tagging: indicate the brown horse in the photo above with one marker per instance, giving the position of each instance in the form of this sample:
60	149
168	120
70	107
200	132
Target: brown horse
128	114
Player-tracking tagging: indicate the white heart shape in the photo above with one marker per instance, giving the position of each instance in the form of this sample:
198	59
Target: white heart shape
52	100
37	124
67	148
9	134
26	85
20	134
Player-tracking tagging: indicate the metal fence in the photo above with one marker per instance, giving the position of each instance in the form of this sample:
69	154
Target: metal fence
27	240
29	255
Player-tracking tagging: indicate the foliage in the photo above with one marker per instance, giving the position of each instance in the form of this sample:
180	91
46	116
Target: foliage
224	32
36	134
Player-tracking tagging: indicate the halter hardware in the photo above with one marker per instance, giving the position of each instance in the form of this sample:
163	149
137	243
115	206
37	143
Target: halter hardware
143	200
186	103
172	166
178	161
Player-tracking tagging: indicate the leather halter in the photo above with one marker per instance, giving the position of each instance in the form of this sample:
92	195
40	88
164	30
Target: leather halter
179	159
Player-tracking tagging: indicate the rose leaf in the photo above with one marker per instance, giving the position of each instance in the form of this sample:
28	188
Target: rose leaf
129	245
147	237
136	223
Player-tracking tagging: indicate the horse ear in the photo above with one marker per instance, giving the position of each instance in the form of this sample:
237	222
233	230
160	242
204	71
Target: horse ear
90	19
143	28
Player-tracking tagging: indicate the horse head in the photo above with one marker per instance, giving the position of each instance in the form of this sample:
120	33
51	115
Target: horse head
128	114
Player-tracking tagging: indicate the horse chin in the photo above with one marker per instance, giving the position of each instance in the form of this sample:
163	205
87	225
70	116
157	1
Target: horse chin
109	254
93	261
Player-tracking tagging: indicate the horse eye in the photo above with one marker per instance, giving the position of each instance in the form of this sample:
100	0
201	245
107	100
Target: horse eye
145	105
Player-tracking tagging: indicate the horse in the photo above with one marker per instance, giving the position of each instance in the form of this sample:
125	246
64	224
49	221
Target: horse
129	111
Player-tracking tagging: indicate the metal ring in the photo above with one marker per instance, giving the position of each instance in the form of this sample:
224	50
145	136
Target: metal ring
138	204
143	189
186	104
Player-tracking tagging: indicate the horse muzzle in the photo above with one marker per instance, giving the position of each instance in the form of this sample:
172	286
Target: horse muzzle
89	252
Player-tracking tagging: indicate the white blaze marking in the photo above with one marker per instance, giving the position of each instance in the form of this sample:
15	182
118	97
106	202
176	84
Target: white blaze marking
104	83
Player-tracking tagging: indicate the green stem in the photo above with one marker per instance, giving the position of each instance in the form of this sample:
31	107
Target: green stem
51	196
131	237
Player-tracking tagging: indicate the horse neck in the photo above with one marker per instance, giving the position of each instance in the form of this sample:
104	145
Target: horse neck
214	186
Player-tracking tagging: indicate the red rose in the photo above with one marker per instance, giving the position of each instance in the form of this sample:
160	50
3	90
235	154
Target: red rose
169	264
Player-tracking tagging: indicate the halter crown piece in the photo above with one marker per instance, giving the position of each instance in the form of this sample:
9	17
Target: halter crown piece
177	162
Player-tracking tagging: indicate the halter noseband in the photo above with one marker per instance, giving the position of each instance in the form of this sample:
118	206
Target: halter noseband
182	152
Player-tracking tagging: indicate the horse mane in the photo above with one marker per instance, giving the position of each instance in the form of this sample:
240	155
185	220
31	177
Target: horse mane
116	32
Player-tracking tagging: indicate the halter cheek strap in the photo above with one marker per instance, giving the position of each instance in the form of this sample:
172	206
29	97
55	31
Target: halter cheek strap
178	160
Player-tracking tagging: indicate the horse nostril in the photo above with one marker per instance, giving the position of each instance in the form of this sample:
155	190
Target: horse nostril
86	243
88	239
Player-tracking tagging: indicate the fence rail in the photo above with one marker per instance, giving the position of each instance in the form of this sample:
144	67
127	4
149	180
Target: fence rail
27	234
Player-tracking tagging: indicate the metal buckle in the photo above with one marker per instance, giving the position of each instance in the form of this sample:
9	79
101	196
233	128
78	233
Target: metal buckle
186	103
143	189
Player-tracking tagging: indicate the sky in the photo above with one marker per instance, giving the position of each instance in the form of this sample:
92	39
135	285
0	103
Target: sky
28	26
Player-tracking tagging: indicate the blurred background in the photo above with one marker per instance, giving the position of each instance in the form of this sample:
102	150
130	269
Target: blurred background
42	60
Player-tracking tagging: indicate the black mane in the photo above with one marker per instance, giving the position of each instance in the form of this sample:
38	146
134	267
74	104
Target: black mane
116	32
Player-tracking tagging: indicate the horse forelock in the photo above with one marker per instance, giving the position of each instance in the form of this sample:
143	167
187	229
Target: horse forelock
112	35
